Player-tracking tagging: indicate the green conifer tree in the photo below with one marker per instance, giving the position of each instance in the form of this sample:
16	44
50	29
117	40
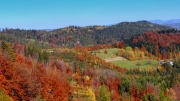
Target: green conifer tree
4	96
104	94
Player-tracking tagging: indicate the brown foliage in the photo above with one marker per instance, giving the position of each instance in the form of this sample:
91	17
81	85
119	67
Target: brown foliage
176	88
22	80
105	52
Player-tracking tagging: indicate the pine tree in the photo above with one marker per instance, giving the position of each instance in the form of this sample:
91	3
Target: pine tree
4	96
45	56
4	46
7	49
104	95
162	96
145	98
38	98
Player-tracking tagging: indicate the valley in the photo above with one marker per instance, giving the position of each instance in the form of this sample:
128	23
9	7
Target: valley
89	71
89	50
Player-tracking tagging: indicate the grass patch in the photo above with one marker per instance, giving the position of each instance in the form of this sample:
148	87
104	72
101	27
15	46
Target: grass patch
125	63
100	53
30	40
133	64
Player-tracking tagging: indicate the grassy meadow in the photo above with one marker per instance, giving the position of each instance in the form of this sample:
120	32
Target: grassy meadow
125	63
134	64
112	51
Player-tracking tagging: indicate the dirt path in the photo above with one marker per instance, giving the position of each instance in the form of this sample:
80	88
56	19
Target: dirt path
114	59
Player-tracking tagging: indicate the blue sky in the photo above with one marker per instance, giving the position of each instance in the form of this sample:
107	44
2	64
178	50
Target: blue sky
50	14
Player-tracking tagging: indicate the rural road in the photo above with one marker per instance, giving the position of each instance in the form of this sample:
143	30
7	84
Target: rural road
114	59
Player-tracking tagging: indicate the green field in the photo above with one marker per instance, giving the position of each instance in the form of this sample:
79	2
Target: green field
125	63
100	53
133	64
30	40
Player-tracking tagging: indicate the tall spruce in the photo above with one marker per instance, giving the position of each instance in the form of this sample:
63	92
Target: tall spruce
104	94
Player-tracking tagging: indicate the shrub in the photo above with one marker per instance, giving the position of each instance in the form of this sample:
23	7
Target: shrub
149	62
138	64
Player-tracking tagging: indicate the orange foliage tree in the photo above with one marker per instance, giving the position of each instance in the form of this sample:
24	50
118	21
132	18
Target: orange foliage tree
23	80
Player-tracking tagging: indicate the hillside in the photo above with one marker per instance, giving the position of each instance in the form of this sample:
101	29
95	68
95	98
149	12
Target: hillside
29	73
107	34
89	35
163	44
126	30
32	71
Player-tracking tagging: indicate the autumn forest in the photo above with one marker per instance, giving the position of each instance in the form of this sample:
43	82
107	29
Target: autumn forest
128	61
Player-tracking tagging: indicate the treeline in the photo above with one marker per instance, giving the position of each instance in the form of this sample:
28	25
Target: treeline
89	35
28	50
162	44
23	75
76	74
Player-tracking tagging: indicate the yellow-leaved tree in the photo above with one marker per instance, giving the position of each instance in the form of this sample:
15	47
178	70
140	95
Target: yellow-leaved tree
91	95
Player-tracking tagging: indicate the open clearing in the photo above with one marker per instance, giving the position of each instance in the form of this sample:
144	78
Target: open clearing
112	51
122	62
133	64
114	59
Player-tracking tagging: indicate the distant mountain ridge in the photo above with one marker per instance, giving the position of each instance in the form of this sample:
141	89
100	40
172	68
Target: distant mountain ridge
88	35
158	21
174	23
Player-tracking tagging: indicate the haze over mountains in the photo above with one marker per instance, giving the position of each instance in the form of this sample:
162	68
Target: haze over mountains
158	21
175	23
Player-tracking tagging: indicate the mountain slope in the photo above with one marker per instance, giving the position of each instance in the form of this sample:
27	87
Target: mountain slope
125	30
89	35
106	34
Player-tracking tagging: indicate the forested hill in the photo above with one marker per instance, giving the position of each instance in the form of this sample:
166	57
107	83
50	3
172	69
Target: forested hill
89	35
162	44
126	30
